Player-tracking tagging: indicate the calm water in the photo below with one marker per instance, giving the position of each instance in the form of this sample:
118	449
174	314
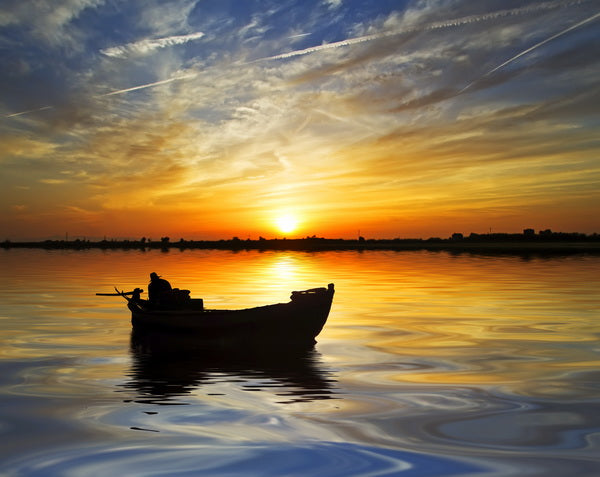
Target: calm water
430	365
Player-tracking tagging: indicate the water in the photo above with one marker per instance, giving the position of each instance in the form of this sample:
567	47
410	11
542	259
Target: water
430	365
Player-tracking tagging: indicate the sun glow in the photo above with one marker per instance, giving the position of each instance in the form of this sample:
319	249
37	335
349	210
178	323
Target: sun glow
286	223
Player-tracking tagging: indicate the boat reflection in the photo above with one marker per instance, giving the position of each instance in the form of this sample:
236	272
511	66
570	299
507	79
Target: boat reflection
167	368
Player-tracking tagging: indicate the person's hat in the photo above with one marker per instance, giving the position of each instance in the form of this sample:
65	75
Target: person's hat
154	275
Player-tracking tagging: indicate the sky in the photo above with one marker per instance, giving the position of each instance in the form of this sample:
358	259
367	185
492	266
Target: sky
209	119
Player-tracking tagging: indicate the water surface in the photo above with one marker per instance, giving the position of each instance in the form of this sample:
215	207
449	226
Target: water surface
431	364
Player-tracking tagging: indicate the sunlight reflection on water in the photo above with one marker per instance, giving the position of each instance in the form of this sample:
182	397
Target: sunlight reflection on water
430	364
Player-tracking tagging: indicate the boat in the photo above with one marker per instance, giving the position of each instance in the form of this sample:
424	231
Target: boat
299	320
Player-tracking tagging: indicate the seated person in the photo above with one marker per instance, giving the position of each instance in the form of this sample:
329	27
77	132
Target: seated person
159	290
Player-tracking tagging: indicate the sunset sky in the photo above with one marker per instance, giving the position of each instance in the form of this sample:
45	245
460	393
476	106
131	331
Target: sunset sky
208	119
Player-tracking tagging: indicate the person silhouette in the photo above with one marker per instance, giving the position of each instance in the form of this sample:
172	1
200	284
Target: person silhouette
159	289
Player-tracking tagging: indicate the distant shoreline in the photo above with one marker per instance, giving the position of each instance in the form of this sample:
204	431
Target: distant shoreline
548	243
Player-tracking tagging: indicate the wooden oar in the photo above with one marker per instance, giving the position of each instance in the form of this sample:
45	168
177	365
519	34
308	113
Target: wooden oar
115	294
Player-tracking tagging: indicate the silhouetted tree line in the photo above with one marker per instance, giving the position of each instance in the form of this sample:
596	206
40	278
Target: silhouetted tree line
529	239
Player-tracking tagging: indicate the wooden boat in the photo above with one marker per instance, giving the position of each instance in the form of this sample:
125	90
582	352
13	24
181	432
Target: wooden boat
299	320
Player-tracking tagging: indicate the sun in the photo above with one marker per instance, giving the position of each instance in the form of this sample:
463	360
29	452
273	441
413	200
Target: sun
286	223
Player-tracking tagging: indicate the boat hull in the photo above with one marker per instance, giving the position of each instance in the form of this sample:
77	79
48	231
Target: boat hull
301	319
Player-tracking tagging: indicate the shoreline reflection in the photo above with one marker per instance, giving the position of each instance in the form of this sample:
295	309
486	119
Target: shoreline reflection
167	368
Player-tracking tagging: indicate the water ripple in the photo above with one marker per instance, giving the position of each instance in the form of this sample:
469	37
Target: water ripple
430	365
323	458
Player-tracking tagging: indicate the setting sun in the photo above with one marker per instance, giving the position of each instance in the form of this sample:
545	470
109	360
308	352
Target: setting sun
286	223
302	131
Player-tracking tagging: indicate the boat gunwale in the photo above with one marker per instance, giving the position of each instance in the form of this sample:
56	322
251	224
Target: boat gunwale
313	297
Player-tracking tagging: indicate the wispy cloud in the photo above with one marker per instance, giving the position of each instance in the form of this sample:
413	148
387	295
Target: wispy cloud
450	23
530	49
113	93
333	3
52	181
489	78
51	22
147	46
368	127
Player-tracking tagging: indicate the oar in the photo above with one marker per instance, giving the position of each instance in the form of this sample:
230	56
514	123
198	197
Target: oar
134	300
115	294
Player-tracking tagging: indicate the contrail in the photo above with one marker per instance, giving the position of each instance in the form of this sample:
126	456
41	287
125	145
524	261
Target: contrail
531	48
566	30
327	46
112	93
299	35
150	85
428	26
149	45
356	40
12	115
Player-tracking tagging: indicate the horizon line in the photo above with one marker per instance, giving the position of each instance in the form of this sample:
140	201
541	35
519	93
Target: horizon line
167	240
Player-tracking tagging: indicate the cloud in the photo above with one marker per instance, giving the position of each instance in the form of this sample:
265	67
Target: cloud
537	45
52	181
333	4
496	76
420	27
163	17
147	46
19	146
374	123
50	22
